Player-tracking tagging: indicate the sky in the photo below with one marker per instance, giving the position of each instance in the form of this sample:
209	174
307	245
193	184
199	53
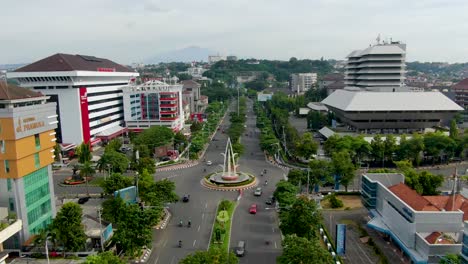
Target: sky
128	31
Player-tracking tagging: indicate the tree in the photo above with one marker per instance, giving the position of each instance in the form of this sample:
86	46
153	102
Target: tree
410	149
134	228
320	172
215	255
451	259
116	160
155	136
453	129
147	164
302	218
390	146
296	177
106	257
161	192
67	225
306	146
302	251
112	209
316	120
113	145
285	193
424	182
196	126
378	148
115	182
83	152
343	167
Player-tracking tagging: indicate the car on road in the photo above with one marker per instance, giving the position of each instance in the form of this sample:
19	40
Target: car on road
186	198
209	163
269	201
240	249
258	191
253	209
83	200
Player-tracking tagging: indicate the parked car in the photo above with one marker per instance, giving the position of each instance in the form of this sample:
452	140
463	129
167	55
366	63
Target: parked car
186	198
269	202
253	209
258	191
240	249
83	200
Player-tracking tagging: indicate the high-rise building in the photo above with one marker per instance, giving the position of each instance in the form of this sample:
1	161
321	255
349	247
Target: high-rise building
302	82
153	103
27	141
87	91
381	66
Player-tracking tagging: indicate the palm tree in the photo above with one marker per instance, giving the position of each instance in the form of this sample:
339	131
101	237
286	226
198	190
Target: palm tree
87	171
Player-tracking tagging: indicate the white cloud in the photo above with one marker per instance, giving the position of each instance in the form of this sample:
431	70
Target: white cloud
131	30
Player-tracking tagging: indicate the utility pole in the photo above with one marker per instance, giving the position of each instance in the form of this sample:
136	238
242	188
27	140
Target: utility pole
284	142
308	182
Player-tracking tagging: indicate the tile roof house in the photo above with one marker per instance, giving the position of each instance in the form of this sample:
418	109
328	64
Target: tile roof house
13	92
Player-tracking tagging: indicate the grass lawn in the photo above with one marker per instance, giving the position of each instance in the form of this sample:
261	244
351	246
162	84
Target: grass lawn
227	226
96	181
349	202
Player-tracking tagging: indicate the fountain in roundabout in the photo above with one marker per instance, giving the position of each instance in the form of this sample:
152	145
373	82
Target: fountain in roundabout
230	178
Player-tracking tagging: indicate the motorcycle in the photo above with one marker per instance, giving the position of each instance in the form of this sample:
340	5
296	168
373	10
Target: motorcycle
181	224
180	243
189	224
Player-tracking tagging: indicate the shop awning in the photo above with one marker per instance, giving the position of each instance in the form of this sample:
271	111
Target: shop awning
67	146
95	141
111	133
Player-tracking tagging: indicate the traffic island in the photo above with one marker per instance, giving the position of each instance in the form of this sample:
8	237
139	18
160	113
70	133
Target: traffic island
221	234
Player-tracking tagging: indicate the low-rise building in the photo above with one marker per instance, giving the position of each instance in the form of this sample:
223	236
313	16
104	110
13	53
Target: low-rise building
391	112
426	228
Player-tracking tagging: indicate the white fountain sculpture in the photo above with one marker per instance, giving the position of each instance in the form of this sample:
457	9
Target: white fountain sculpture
229	166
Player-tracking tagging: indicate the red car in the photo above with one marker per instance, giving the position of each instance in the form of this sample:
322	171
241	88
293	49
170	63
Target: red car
253	209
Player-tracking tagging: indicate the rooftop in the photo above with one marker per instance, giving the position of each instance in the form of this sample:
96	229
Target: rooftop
412	198
379	49
69	62
463	84
347	100
13	92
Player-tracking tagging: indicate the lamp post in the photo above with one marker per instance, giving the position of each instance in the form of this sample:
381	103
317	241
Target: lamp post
47	248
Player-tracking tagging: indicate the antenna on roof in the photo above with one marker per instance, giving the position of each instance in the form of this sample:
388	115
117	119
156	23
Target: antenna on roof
378	39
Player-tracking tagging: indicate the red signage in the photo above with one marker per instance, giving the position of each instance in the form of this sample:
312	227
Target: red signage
84	115
106	69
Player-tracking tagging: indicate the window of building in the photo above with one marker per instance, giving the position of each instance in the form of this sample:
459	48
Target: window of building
37	162
9	184
11	204
7	166
37	140
2	146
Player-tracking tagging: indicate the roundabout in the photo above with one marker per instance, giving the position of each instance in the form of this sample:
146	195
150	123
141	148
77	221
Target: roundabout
229	179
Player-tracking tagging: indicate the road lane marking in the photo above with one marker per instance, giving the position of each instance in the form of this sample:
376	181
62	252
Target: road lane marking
157	259
202	216
206	205
195	241
164	243
273	229
198	229
275	245
172	260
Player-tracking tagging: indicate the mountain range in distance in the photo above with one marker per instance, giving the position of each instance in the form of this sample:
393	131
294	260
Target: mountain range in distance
189	54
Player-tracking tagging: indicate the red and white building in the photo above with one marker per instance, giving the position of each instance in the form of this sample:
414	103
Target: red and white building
154	103
87	91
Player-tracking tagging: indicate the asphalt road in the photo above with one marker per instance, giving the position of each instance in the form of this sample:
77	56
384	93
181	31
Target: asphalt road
256	229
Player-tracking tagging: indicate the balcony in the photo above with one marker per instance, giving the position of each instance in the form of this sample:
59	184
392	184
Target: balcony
162	99
8	228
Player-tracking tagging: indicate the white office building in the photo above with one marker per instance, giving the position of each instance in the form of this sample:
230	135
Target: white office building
379	66
302	82
87	91
154	103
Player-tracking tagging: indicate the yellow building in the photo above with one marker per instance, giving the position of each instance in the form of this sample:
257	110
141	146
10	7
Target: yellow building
27	141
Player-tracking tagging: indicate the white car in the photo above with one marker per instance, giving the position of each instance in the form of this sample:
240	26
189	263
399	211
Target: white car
258	191
209	163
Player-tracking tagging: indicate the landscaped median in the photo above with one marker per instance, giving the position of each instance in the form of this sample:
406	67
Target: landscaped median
221	233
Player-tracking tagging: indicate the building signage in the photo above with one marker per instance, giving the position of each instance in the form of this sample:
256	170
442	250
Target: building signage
28	123
107	233
106	69
340	239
